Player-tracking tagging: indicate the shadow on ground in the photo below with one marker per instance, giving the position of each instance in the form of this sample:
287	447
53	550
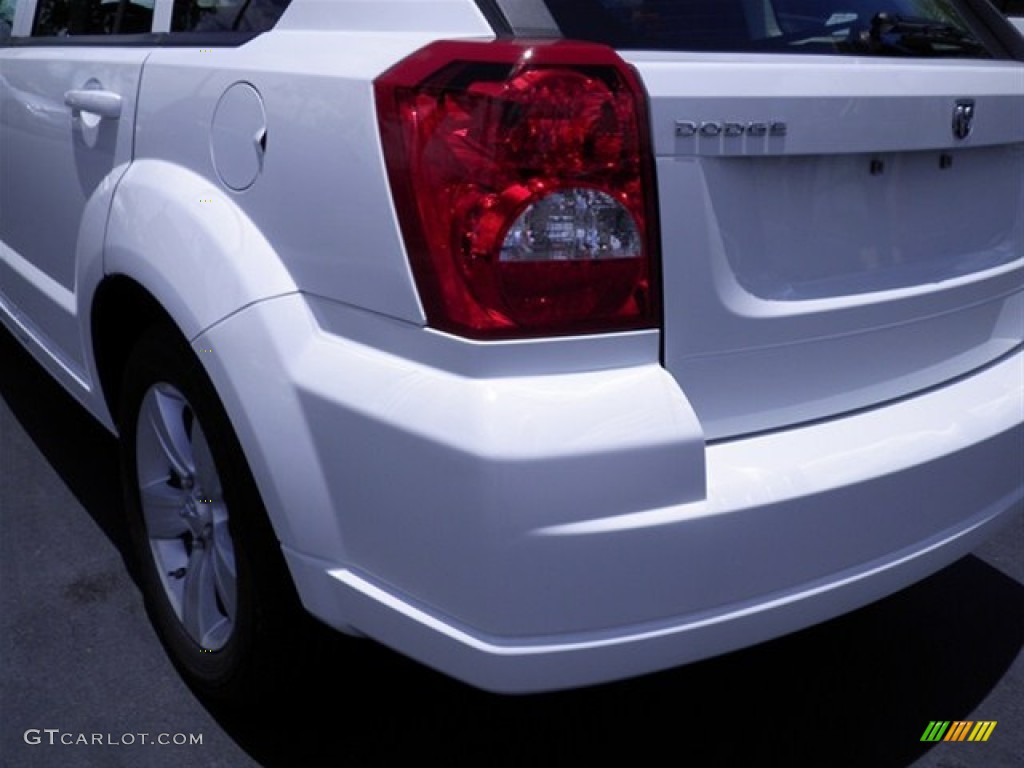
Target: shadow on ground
857	691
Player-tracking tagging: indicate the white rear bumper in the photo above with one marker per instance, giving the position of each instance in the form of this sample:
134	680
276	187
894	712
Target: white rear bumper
531	533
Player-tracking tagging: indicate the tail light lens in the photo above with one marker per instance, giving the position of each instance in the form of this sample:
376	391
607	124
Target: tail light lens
522	177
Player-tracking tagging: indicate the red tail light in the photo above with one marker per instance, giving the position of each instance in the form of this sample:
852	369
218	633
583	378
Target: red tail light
522	177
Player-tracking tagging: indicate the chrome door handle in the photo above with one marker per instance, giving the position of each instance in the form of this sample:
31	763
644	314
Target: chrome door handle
103	103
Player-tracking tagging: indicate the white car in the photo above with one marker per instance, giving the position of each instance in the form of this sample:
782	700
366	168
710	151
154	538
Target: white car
546	342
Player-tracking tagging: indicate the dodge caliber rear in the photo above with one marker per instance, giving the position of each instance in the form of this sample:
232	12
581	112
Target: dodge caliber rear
722	331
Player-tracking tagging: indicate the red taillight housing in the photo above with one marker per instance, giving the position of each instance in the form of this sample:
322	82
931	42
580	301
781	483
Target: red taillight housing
523	181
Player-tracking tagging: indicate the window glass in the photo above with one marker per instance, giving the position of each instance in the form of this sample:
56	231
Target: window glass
883	27
58	18
6	18
226	15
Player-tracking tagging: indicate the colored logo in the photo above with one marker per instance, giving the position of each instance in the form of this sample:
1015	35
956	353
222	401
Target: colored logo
959	730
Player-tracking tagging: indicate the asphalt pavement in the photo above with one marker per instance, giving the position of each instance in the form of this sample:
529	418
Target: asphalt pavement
84	681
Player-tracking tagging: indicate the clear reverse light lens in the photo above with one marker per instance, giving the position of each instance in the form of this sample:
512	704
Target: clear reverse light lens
573	224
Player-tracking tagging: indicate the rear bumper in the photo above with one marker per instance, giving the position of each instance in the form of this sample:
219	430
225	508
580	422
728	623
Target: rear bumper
533	533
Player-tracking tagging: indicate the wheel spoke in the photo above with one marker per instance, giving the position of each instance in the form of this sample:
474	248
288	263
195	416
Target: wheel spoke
200	614
223	554
164	411
162	506
206	471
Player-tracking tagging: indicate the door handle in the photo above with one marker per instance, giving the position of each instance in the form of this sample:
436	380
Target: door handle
102	103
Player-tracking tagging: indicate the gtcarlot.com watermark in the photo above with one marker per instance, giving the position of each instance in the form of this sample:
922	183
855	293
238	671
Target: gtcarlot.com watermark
55	736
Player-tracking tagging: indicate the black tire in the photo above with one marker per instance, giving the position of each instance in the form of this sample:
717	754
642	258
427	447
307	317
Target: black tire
228	652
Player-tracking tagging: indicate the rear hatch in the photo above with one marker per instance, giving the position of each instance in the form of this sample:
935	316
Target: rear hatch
866	254
841	199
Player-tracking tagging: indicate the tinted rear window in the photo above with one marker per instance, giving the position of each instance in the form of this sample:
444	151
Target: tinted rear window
252	16
884	27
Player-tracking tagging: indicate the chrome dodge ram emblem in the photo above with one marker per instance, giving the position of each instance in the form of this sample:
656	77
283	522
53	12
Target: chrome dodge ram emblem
963	118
